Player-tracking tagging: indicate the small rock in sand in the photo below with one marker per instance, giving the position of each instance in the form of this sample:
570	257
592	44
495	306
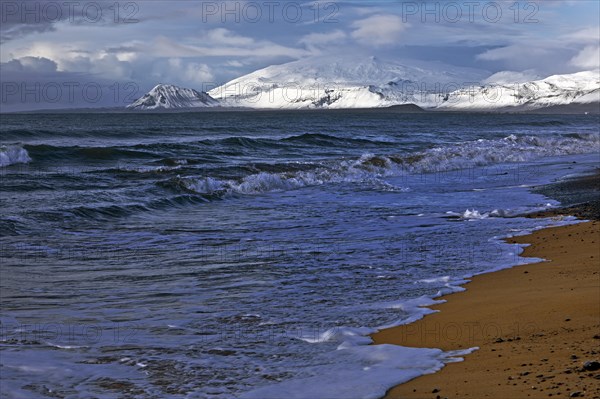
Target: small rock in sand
591	365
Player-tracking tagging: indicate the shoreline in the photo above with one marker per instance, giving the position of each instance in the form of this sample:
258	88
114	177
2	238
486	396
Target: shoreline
536	325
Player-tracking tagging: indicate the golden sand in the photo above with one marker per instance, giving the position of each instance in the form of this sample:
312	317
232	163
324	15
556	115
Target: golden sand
536	326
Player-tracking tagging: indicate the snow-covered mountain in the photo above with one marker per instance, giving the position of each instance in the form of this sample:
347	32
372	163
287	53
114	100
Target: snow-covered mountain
342	82
170	97
370	82
577	88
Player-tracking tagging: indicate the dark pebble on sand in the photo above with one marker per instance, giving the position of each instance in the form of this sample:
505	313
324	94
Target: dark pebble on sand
591	365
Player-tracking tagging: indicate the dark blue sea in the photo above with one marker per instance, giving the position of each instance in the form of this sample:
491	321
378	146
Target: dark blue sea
250	254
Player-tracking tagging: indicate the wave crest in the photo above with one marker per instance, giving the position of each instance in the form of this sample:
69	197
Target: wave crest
371	168
10	155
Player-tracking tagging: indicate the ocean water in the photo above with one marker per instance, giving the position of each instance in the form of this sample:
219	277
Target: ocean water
249	254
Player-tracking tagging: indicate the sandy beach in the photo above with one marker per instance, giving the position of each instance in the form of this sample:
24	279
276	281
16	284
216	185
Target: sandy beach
537	326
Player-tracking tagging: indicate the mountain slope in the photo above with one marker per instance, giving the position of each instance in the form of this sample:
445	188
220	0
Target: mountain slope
172	97
352	82
369	82
577	88
341	82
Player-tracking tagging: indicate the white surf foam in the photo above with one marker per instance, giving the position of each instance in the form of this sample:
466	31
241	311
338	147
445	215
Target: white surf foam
10	155
373	169
363	372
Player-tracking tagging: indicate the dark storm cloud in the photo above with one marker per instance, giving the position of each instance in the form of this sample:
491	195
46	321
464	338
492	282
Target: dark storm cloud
30	64
21	18
36	83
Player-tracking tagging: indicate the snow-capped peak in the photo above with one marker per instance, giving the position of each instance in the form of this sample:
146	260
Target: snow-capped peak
577	88
335	81
170	97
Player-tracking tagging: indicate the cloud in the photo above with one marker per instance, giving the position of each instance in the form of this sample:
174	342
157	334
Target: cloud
13	32
586	35
588	58
166	47
512	77
191	72
378	30
512	52
18	21
109	66
30	83
323	39
182	72
31	64
225	37
235	64
20	18
522	56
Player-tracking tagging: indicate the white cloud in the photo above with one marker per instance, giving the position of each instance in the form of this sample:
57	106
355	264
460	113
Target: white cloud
178	71
321	39
368	10
513	52
165	47
225	37
378	30
512	77
588	58
546	58
235	64
196	72
586	35
109	66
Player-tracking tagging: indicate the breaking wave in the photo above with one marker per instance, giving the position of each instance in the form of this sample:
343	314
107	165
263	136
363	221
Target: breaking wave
10	155
488	152
265	182
371	168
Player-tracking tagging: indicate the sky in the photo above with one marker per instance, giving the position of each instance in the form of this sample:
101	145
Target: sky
70	54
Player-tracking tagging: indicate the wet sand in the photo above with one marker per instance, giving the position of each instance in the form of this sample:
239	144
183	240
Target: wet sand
537	326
